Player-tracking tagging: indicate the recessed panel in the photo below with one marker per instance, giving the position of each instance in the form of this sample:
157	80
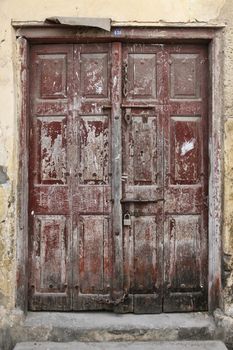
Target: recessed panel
51	251
183	259
185	150
94	150
93	199
145	254
184	76
94	254
52	150
53	78
140	76
94	75
142	150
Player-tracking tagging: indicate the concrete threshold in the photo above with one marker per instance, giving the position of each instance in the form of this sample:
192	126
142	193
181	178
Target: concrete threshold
166	345
103	326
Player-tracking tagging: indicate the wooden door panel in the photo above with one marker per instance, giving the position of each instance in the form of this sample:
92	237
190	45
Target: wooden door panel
185	172
52	75
145	267
51	262
94	150
184	247
51	152
51	252
94	75
142	259
186	264
142	149
50	227
141	76
186	179
49	164
142	167
94	254
142	179
185	150
92	205
185	74
46	200
182	200
118	132
89	201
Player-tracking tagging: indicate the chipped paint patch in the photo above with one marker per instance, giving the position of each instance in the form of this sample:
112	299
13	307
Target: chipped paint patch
187	146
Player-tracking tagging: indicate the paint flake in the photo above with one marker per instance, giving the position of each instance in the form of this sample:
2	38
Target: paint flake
187	146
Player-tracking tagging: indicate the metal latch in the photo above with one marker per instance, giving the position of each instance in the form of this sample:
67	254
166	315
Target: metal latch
136	200
127	220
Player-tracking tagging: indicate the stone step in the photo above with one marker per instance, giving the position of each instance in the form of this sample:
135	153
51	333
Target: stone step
103	326
164	345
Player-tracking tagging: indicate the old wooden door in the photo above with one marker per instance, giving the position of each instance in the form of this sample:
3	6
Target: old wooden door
118	177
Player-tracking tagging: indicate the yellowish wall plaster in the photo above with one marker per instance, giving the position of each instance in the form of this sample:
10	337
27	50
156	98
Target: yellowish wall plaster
120	10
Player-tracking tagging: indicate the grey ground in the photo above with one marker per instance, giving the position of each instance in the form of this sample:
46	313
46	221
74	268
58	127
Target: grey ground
108	331
187	345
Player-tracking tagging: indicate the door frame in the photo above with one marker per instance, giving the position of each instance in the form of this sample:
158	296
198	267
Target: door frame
28	33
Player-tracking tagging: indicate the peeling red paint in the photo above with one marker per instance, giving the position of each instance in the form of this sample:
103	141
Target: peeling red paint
100	149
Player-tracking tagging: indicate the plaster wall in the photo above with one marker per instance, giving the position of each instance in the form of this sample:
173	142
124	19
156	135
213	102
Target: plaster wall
133	12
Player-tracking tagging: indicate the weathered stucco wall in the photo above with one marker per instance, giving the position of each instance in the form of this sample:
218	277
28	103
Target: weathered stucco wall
226	17
157	11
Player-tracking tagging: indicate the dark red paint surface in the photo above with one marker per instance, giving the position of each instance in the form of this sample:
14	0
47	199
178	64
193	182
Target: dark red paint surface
118	129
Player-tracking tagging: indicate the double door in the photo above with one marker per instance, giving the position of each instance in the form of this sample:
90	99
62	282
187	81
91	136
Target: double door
118	174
